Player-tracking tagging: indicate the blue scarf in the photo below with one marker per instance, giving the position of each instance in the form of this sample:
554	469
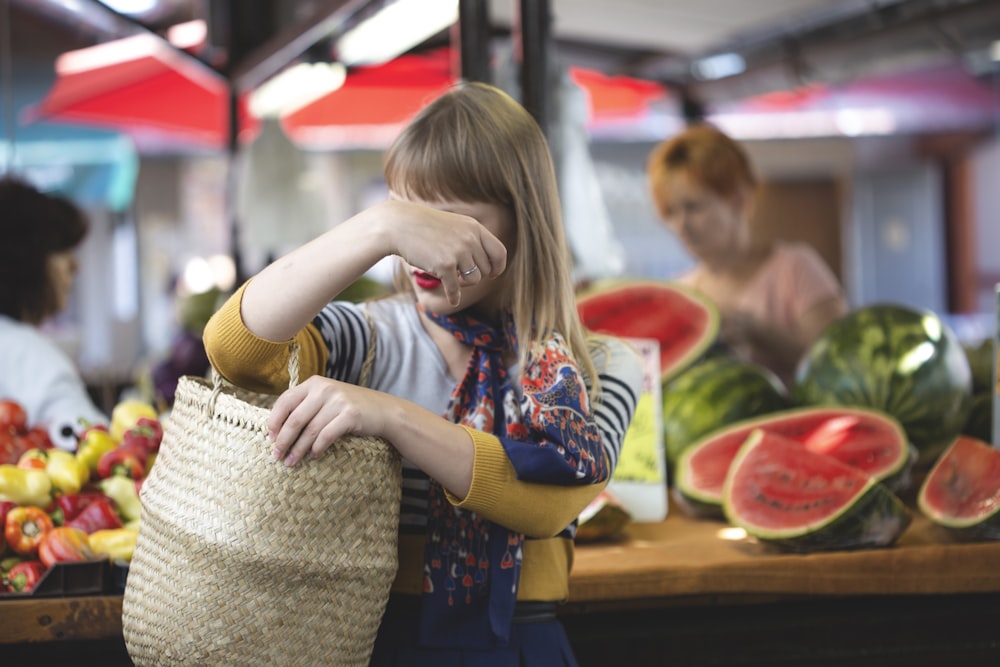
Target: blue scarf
472	566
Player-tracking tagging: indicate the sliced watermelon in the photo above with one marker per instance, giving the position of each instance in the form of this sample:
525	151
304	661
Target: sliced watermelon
869	440
962	491
684	322
781	493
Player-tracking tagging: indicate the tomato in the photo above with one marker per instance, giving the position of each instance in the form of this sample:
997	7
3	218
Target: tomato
13	418
37	437
64	545
12	446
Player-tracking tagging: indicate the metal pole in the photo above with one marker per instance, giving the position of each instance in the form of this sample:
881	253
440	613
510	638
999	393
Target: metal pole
474	40
534	25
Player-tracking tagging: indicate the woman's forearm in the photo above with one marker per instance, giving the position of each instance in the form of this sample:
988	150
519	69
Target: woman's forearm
440	448
288	293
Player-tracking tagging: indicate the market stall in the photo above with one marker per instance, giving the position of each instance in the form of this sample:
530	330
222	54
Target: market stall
678	590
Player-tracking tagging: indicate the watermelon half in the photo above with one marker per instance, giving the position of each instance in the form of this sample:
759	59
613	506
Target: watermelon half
901	360
684	322
784	494
866	439
962	491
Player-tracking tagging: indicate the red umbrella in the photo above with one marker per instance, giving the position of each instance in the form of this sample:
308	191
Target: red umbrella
144	88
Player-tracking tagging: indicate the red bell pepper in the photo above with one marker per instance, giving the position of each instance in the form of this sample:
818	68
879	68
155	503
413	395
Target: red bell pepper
69	506
23	577
148	432
25	527
100	514
127	460
64	545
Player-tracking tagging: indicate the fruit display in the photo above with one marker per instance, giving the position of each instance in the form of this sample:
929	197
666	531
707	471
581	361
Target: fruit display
866	439
900	360
784	494
712	394
59	507
684	323
883	392
962	491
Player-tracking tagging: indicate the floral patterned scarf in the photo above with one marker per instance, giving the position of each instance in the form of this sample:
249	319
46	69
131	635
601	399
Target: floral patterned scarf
472	565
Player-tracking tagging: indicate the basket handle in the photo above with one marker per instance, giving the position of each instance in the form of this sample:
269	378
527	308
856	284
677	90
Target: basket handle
219	382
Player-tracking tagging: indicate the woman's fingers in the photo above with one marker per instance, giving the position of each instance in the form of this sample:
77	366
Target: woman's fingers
307	419
495	260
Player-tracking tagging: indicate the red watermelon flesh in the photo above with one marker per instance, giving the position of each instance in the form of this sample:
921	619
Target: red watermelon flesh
780	492
684	322
962	490
868	440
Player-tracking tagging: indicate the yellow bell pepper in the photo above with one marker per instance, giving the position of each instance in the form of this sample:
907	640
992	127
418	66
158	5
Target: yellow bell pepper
122	491
126	413
114	542
68	474
95	444
24	486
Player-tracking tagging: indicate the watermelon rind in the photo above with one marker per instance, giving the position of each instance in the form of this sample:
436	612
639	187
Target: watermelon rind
901	360
712	394
637	318
872	518
968	473
697	501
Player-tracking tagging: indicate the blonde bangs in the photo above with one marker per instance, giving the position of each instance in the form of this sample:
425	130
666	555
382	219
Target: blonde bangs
478	144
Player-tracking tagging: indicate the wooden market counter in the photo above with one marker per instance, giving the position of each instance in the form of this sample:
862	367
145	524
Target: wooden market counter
677	592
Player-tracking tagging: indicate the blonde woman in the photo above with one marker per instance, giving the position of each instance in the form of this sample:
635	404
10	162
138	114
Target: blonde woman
508	418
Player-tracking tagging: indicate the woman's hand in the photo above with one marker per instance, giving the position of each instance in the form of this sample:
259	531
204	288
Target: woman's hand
445	244
309	417
739	332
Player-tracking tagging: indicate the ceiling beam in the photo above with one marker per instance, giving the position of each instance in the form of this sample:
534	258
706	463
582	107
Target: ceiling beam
283	48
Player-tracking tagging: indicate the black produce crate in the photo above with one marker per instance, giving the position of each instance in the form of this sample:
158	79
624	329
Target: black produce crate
88	577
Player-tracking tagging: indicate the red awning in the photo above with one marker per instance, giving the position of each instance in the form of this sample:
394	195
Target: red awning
374	103
144	88
612	97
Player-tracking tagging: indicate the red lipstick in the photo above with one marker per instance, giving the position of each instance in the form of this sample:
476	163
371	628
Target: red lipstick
426	281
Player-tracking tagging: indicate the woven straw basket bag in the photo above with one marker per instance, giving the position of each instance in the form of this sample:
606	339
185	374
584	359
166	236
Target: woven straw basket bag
242	560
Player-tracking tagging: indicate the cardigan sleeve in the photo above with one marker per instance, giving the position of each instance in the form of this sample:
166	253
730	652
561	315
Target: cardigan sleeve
255	363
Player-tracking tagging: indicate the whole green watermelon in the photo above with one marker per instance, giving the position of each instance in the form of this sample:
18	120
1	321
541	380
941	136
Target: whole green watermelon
716	392
901	360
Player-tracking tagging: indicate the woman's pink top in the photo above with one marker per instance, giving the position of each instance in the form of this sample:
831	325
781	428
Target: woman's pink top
792	280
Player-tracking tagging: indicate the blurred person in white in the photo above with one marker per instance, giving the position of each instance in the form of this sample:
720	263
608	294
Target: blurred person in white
39	235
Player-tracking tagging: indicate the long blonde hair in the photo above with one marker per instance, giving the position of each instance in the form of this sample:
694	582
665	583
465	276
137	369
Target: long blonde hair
477	144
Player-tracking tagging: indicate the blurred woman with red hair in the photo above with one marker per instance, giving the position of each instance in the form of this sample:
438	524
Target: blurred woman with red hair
774	297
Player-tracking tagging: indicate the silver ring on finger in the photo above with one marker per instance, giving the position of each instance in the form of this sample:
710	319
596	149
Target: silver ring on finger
470	271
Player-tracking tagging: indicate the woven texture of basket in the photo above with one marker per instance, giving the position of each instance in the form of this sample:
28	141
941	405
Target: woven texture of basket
242	560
